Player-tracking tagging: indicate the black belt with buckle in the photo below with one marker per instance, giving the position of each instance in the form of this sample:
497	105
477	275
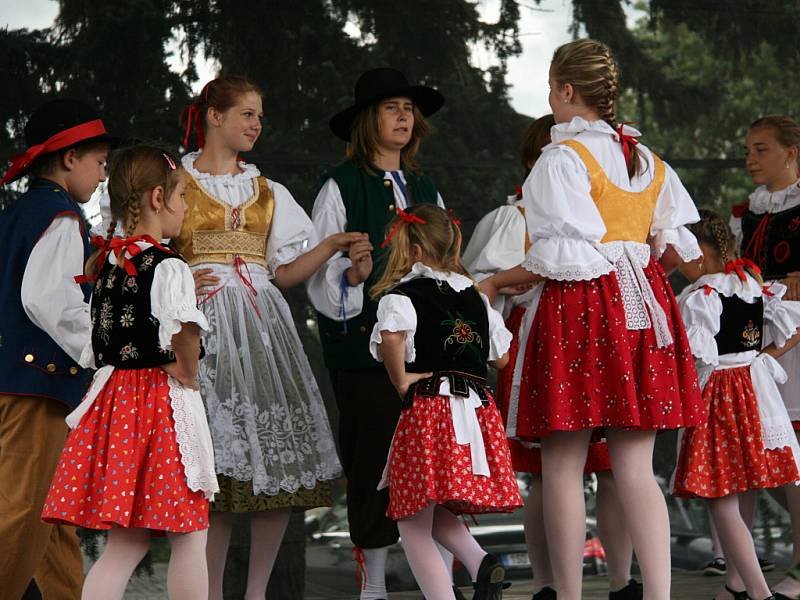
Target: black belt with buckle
460	385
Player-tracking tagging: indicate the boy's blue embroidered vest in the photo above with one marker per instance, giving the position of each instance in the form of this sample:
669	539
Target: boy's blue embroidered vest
31	363
369	203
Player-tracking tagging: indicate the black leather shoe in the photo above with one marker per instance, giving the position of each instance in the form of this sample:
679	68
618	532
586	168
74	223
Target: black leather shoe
632	591
546	593
489	582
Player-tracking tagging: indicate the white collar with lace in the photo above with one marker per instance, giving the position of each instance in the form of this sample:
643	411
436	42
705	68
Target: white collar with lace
248	172
764	201
566	131
458	282
730	285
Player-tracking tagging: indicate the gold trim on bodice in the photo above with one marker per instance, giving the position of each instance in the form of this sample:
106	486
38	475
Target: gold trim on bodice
627	215
213	231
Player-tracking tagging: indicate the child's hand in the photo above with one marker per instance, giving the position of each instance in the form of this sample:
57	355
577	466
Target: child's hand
203	279
360	254
405	381
515	290
342	241
187	381
487	287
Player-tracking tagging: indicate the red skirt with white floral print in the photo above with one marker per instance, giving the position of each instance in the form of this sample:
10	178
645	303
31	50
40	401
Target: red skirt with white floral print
726	455
526	459
427	465
585	369
121	465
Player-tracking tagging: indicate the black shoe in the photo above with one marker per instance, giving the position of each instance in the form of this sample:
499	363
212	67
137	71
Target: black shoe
716	567
766	565
632	591
738	595
489	582
546	593
459	595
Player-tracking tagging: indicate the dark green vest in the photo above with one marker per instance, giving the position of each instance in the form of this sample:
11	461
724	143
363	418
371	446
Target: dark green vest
369	204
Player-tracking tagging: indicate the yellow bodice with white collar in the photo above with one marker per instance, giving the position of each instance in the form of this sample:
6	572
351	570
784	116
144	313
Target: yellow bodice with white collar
627	215
215	232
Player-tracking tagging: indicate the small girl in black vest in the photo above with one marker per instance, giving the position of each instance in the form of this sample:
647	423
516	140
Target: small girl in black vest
139	458
435	334
748	442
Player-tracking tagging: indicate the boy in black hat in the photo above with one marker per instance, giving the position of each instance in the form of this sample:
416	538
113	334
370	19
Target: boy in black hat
383	128
43	245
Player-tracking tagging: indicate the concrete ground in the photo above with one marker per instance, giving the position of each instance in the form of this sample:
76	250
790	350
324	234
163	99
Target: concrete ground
686	585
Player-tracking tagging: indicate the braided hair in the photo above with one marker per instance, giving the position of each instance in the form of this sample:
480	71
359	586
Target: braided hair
714	231
590	68
133	173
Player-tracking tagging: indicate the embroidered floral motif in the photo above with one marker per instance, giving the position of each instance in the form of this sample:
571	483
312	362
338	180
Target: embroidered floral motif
130	285
110	281
106	321
127	318
146	263
751	336
462	333
129	351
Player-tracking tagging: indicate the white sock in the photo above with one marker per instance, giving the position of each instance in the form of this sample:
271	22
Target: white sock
373	585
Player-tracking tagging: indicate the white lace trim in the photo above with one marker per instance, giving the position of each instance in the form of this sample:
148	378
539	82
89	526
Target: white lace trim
681	239
171	323
456	281
565	131
729	285
193	438
642	310
763	201
248	172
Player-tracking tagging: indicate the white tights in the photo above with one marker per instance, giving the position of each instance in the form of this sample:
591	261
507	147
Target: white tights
643	504
266	533
186	574
419	534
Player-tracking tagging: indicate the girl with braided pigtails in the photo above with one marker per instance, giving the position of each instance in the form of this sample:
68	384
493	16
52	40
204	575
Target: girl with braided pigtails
748	442
606	347
139	459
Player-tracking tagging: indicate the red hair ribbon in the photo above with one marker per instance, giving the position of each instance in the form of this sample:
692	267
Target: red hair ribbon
738	266
119	246
626	141
451	212
405	217
63	139
194	119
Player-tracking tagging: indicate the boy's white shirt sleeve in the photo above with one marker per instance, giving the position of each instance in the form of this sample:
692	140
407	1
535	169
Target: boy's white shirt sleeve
395	313
50	296
324	287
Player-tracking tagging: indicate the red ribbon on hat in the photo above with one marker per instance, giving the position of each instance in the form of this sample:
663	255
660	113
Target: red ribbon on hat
405	218
626	141
63	139
738	266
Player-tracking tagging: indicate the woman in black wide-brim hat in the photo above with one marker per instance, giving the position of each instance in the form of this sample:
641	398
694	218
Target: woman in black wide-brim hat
384	128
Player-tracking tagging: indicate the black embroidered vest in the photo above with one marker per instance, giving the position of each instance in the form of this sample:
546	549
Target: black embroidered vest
741	325
452	328
124	331
772	241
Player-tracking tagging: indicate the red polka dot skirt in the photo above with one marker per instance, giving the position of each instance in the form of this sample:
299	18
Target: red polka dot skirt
121	465
524	458
726	455
428	465
585	369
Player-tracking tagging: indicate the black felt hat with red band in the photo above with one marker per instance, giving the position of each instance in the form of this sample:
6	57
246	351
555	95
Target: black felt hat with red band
377	84
56	125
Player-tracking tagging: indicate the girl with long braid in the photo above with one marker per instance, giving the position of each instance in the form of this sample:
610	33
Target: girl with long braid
748	442
139	458
606	347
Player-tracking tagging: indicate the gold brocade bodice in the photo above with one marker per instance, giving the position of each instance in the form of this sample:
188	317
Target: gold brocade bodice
626	215
215	232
